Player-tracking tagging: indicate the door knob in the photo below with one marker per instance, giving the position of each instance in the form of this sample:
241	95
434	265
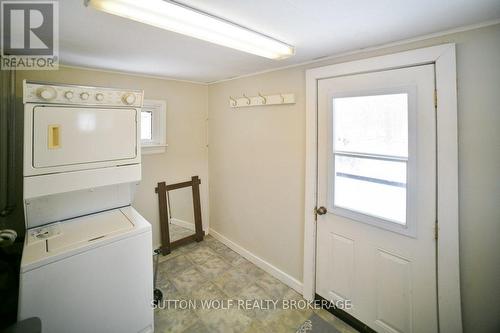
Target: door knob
321	210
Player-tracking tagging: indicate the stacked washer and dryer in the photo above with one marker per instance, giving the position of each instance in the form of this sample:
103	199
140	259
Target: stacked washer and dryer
87	259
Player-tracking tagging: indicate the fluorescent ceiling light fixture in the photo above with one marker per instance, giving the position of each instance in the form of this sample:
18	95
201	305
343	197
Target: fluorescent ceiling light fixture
187	21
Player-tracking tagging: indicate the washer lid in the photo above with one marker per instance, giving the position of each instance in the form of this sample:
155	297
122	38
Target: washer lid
88	229
58	241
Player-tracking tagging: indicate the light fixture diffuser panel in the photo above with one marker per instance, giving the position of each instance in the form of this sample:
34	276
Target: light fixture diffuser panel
187	21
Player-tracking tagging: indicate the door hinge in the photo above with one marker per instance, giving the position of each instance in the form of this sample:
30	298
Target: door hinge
435	98
436	230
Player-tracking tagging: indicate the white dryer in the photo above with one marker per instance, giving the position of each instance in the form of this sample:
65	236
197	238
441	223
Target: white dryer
87	259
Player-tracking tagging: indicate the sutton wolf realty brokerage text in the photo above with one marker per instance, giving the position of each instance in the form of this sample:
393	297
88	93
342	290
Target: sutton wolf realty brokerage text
265	304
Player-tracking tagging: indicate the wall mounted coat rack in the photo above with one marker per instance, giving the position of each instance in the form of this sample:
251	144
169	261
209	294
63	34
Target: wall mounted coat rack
261	100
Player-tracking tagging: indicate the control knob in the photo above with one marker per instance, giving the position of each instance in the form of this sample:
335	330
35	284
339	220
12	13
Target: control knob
128	98
47	93
84	96
68	94
99	97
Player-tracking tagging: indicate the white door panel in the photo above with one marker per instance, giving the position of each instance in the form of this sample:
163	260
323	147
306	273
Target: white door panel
377	178
342	267
393	292
68	136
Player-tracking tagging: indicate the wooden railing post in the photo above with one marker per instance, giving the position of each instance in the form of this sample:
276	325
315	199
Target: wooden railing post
197	208
162	203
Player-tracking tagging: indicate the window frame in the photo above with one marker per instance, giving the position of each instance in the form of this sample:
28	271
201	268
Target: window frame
158	142
408	229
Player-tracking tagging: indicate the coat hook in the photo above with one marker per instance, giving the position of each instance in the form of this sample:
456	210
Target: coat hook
264	100
282	98
248	99
233	101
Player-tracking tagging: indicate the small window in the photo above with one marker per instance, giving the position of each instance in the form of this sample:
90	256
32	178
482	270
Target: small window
370	157
153	126
146	126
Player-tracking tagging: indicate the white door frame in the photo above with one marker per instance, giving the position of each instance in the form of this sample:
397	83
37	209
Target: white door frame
448	273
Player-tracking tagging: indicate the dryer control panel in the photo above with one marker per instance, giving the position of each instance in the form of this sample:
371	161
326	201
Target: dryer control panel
39	92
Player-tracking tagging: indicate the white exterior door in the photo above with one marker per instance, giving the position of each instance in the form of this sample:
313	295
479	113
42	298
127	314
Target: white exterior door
377	183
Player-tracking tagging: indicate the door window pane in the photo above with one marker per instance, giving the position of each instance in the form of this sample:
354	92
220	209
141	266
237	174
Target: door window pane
372	124
371	186
146	125
370	147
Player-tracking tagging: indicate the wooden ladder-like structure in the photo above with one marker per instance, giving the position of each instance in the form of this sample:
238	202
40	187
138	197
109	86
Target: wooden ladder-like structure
162	191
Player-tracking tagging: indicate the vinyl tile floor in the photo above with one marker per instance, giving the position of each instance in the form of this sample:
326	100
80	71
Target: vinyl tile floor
200	280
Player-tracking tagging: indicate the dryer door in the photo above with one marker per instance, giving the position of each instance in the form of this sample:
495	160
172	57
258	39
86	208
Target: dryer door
64	136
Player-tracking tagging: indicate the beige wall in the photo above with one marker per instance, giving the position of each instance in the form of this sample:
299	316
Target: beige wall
256	163
186	154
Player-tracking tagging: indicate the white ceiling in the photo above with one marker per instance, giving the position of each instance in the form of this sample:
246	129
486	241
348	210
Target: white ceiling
317	28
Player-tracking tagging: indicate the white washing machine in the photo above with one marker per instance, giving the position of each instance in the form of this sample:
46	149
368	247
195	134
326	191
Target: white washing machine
89	274
87	259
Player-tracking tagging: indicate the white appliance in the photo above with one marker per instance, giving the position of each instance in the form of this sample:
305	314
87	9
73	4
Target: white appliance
87	259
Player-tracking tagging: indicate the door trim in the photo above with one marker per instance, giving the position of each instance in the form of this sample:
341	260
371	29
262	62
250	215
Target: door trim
448	273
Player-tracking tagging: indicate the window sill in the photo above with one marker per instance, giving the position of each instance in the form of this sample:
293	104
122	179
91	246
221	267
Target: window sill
153	149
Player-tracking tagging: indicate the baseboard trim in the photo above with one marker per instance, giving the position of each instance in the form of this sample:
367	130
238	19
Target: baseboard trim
259	262
182	223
